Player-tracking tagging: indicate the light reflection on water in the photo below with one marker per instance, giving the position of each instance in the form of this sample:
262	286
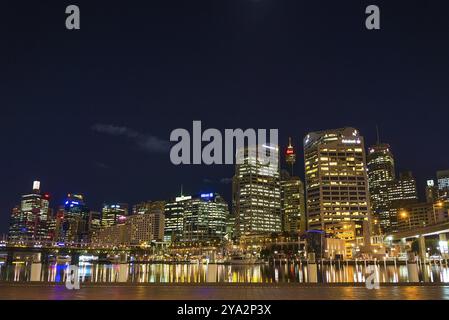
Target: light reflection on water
211	273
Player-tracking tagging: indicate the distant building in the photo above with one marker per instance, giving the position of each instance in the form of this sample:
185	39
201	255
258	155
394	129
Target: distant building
404	188
337	182
415	215
29	221
292	204
256	192
443	184
205	218
146	228
381	174
75	225
402	192
431	192
94	223
148	206
113	214
230	227
174	218
157	210
16	226
135	230
112	236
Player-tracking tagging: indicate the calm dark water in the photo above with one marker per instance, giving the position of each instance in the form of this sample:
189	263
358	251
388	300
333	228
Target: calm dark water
212	273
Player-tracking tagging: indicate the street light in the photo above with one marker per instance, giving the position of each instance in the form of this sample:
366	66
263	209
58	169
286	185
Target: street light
404	214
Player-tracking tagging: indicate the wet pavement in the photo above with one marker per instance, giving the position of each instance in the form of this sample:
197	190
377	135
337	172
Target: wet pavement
39	291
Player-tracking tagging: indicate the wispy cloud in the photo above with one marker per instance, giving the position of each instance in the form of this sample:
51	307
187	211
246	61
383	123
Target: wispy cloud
146	142
226	180
101	165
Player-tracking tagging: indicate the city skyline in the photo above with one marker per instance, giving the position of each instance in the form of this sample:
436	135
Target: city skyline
184	188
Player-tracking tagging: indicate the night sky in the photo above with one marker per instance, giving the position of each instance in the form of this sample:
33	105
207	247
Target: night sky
91	111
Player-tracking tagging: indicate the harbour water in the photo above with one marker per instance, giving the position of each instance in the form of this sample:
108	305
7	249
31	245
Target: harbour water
215	273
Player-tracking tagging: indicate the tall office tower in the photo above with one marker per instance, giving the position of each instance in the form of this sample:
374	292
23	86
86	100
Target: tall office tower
51	226
174	218
75	226
401	192
404	188
292	203
205	218
443	184
158	222
94	221
381	174
112	213
59	225
431	192
15	226
337	182
29	223
256	192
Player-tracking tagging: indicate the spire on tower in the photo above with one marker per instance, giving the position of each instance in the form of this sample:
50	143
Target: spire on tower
290	155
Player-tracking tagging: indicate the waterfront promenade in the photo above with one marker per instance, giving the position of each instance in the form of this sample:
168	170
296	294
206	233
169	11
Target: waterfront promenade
42	291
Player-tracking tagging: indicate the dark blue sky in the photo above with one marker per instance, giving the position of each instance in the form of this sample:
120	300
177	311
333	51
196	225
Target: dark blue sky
85	111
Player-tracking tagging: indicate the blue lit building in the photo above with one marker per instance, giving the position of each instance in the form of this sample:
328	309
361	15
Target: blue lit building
75	221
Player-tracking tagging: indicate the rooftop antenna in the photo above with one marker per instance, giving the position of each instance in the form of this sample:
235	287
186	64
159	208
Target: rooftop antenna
181	190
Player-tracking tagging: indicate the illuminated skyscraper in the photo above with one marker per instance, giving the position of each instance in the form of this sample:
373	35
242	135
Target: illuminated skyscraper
174	218
75	226
29	221
205	218
112	214
381	174
337	182
292	203
16	226
404	188
256	192
94	222
402	192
